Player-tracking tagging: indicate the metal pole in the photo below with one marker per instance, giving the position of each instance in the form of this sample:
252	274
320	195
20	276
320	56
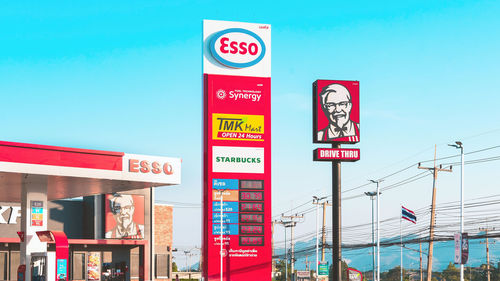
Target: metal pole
317	238
378	231
286	257
372	198
373	235
461	204
401	243
336	220
292	258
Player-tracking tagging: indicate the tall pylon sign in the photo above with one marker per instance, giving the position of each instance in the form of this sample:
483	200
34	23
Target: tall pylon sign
237	151
336	121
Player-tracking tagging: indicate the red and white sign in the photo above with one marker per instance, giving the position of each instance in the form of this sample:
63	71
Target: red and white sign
236	48
237	151
335	111
336	154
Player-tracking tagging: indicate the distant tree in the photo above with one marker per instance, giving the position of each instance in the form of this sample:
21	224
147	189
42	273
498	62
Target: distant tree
451	273
174	267
495	272
394	274
344	267
280	267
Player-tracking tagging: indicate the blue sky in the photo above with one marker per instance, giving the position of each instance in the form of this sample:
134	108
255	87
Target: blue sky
126	76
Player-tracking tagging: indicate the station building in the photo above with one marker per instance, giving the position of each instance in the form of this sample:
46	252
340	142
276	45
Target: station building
114	230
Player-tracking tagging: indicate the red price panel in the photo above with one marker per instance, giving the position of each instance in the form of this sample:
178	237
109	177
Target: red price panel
251	218
251	241
251	207
251	196
252	184
252	229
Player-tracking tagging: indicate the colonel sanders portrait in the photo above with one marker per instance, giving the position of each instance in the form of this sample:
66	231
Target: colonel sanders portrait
336	104
122	207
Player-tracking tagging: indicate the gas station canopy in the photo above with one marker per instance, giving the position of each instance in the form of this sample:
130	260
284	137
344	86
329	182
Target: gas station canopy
73	172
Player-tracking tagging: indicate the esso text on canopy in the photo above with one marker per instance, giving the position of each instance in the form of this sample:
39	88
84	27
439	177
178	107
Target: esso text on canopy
237	47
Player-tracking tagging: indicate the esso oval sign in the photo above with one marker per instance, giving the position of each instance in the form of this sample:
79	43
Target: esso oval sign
237	47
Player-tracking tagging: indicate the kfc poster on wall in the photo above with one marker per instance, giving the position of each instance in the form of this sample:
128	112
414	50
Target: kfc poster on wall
335	111
124	216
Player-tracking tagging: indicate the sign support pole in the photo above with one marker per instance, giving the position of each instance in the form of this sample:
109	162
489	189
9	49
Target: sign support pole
336	220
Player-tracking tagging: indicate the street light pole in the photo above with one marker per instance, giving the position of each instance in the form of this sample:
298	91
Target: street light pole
372	198
316	201
458	145
378	227
461	202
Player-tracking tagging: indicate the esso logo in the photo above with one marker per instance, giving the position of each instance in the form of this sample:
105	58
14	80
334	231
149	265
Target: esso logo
144	167
237	47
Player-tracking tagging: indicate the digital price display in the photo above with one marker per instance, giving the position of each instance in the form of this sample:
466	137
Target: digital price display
251	218
251	195
251	207
252	184
251	240
252	229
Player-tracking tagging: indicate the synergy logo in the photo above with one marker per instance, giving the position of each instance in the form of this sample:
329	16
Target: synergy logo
221	94
232	159
237	127
237	47
245	95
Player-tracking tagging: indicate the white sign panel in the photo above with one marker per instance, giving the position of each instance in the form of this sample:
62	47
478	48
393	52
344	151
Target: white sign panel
236	48
233	159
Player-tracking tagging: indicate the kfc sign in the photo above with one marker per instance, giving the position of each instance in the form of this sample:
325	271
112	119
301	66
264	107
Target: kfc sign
237	47
335	111
9	214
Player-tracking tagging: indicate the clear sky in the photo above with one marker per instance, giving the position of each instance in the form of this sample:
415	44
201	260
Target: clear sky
126	76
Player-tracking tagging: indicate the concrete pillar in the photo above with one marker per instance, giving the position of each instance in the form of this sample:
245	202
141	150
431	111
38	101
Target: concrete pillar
33	199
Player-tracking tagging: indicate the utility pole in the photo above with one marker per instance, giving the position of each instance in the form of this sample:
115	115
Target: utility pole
435	171
285	224
420	251
323	204
272	245
291	223
487	250
307	263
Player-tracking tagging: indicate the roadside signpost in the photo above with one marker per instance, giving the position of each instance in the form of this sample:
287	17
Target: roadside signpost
336	121
237	151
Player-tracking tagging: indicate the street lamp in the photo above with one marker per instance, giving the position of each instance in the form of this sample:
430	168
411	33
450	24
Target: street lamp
372	198
378	226
458	145
316	201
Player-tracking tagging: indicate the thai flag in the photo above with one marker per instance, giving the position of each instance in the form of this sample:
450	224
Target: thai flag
408	215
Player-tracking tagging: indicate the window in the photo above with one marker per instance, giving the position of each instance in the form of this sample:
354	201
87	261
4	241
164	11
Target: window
78	266
14	264
3	266
162	266
134	265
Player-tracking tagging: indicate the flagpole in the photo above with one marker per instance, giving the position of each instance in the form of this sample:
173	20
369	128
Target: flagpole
401	239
